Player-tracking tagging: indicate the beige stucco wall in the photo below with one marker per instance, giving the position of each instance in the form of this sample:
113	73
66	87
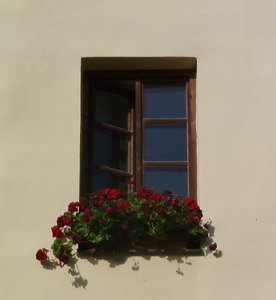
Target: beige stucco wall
41	45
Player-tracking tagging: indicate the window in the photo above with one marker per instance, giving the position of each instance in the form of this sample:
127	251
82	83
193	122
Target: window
138	125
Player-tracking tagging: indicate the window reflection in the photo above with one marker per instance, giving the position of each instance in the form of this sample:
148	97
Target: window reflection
167	178
165	142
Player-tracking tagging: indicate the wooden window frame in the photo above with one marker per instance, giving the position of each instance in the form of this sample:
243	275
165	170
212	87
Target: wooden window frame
135	128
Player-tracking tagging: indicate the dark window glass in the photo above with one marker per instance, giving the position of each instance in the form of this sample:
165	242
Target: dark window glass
111	149
105	180
164	100
111	108
165	142
174	179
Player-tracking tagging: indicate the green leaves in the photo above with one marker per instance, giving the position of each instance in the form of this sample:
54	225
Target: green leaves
197	232
62	246
109	215
57	246
96	238
82	229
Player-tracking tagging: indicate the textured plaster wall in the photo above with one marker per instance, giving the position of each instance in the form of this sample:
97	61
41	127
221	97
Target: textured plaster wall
41	45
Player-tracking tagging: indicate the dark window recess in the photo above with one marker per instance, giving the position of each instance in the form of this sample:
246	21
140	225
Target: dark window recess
141	126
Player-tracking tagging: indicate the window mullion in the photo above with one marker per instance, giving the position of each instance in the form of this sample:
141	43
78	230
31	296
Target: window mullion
112	170
138	134
192	157
113	128
166	163
166	120
131	140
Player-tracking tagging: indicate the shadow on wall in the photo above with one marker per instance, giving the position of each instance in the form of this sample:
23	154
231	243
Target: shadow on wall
116	260
80	282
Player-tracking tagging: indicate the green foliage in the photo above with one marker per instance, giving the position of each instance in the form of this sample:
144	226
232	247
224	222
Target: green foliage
112	216
62	249
197	232
57	246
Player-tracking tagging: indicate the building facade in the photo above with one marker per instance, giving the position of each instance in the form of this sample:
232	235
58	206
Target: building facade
234	43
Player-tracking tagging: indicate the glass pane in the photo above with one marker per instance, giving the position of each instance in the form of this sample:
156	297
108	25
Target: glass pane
105	180
111	149
112	106
174	179
165	100
165	142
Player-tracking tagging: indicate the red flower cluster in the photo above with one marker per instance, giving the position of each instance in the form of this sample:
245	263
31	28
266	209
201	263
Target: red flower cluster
110	215
110	199
73	206
86	217
56	232
41	255
110	194
144	193
123	204
99	203
156	197
190	203
64	220
194	212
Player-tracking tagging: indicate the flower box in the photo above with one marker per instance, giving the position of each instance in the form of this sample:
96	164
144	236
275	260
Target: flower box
169	246
141	222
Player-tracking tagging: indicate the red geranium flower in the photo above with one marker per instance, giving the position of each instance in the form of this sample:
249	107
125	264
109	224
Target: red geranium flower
64	220
103	192
114	194
109	194
156	197
108	209
174	201
213	247
67	220
87	211
123	204
190	203
41	254
60	221
73	206
99	203
144	193
56	231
